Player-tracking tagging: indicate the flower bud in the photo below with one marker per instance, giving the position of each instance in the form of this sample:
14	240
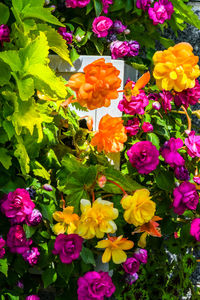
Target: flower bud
156	105
34	218
101	181
130	279
127	31
47	187
78	38
147	127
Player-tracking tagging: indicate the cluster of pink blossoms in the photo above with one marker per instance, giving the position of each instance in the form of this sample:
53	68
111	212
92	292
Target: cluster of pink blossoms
4	34
18	207
83	3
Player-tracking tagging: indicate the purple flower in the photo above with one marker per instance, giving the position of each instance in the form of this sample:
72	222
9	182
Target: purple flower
20	284
141	255
133	126
193	144
2	245
153	96
134	48
143	4
31	256
95	286
119	49
166	100
68	247
170	154
34	218
135	106
32	297
4	34
131	265
17	205
188	97
195	229
68	36
106	4
17	241
144	157
111	37
161	11
181	173
76	3
185	197
130	279
147	127
118	26
101	25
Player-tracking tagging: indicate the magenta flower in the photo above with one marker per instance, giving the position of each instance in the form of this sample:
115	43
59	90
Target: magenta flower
161	11
95	286
135	106
195	229
193	144
143	4
131	265
188	97
154	96
106	4
119	49
31	256
118	27
17	205
101	25
68	247
147	127
130	279
166	100
34	218
76	3
2	245
133	126
141	255
196	179
134	48
185	197
4	34
68	36
32	297
144	157
17	241
181	173
170	154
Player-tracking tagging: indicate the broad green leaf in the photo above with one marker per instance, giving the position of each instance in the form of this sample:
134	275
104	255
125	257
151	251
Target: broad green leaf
12	59
40	171
5	73
49	276
98	7
25	88
65	270
87	256
4	266
98	44
4	14
152	137
9	129
47	211
22	156
29	230
165	180
5	158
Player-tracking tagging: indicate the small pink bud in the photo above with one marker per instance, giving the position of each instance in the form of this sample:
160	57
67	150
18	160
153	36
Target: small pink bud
187	132
176	235
147	127
78	38
47	187
156	105
196	179
127	31
101	181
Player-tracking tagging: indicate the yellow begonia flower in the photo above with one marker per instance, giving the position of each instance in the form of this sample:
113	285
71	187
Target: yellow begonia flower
114	247
97	219
67	221
176	68
139	209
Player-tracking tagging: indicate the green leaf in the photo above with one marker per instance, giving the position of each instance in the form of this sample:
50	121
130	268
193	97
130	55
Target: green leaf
39	170
11	58
47	211
74	55
5	73
89	7
5	158
25	88
98	7
65	271
22	156
87	256
4	14
98	44
4	266
49	276
152	137
9	129
165	180
29	230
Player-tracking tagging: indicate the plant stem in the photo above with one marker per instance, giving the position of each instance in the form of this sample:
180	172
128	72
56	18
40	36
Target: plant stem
119	186
188	118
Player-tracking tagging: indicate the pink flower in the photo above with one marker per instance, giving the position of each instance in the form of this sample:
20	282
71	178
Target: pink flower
135	106
68	247
2	245
68	36
119	49
147	127
130	279
101	181
131	265
134	47
161	11
106	4
32	297
133	126
196	179
17	205
118	27
95	286
17	241
4	34
185	197
31	256
188	97
141	255
76	3
143	4
143	156
193	144
34	218
170	154
166	100
156	105
195	229
101	25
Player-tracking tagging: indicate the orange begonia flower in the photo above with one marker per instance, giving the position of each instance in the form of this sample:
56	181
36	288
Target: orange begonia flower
176	68
114	247
150	228
130	91
111	135
97	86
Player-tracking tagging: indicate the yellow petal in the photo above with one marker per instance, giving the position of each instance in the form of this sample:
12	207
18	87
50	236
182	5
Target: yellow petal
103	244
106	255
68	210
118	256
142	241
58	216
85	205
126	245
59	228
71	228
